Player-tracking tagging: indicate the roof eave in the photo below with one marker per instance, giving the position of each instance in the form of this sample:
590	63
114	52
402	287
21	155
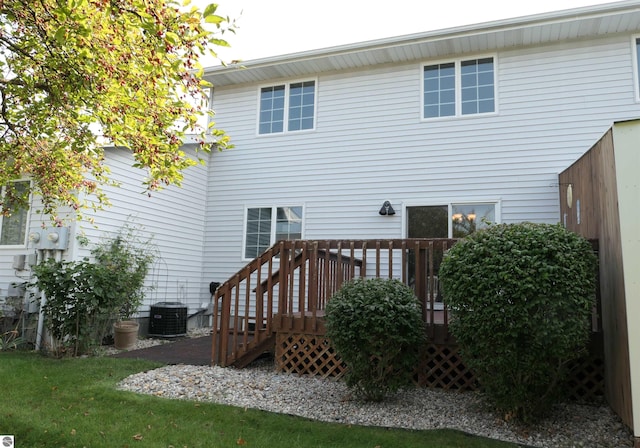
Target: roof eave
276	66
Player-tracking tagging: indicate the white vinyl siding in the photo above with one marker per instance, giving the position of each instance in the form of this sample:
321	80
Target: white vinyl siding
173	216
369	146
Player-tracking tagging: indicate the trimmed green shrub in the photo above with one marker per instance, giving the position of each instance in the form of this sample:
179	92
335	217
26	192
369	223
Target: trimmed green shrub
520	297
376	328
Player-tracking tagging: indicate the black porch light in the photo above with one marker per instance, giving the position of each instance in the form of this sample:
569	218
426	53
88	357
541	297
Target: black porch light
386	209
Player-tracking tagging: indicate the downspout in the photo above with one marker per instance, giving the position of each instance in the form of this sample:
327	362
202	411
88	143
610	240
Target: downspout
43	301
57	256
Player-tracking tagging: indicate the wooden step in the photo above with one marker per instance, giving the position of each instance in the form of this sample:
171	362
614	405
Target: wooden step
254	351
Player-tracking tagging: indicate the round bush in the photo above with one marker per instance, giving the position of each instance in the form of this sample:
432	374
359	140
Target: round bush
376	327
520	296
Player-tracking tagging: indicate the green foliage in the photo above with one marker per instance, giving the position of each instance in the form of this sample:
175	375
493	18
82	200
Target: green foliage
84	297
376	327
10	340
124	260
76	75
520	296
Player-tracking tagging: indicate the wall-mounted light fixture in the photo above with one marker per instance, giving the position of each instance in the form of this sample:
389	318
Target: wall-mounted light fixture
386	209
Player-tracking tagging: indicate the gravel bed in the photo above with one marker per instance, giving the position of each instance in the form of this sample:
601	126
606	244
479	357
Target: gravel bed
260	387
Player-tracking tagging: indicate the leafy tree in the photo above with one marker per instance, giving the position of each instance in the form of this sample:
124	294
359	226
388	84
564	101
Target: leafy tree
79	74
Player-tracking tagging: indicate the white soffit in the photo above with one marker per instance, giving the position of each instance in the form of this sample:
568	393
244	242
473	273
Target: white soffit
540	29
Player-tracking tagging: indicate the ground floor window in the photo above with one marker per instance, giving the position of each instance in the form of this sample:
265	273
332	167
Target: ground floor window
267	225
13	227
455	220
467	218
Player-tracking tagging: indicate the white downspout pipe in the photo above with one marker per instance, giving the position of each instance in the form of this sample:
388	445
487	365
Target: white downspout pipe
57	255
43	301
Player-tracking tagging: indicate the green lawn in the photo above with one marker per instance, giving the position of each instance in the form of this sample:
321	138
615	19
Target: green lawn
73	403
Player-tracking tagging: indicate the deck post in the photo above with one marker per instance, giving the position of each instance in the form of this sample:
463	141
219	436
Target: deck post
312	295
225	316
283	281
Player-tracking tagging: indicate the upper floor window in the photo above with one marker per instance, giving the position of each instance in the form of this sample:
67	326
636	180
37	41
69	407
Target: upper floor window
458	88
287	107
13	228
267	225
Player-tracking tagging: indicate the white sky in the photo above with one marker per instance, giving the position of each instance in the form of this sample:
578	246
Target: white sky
277	27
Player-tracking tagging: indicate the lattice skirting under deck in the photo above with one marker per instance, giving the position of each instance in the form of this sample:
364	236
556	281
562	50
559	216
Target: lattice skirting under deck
440	367
307	355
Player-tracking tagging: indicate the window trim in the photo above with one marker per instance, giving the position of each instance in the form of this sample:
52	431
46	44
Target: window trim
27	223
274	213
287	87
449	203
635	48
458	87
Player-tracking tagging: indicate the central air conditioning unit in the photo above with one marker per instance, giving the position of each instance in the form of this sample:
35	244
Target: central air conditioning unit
168	319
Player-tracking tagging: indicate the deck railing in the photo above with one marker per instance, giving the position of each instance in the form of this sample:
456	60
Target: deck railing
291	282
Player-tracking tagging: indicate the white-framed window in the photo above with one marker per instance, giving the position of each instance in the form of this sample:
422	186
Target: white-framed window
13	227
458	88
453	220
445	220
264	226
287	107
636	65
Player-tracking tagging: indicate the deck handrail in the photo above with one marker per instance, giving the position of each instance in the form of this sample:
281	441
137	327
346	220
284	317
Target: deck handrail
296	278
260	289
309	272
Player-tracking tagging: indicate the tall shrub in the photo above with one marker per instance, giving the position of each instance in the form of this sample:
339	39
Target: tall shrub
376	327
520	296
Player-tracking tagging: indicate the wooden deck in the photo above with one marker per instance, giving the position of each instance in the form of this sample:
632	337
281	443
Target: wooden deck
276	304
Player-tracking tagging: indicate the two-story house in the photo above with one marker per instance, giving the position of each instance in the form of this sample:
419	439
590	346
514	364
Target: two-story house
428	135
